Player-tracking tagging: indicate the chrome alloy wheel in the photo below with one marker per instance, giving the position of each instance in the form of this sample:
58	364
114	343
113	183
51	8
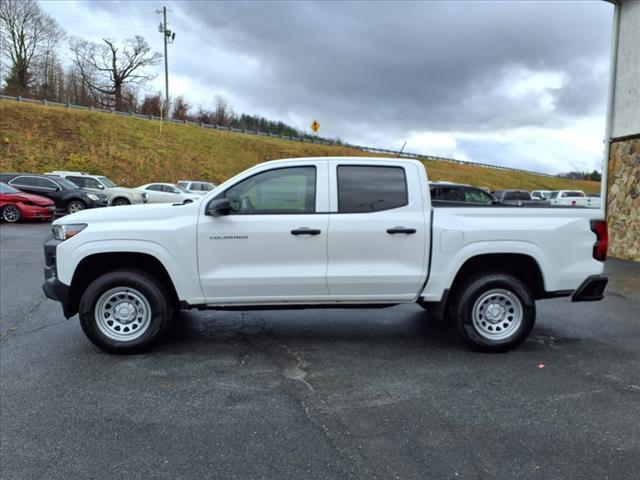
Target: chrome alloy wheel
75	207
497	314
11	214
122	314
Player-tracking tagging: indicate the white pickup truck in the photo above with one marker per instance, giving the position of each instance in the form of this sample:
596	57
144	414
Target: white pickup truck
322	232
573	198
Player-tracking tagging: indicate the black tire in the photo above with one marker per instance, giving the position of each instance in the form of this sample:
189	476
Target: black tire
506	294
11	214
74	206
120	202
154	293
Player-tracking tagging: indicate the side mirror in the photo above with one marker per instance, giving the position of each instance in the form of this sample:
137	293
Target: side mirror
100	186
218	207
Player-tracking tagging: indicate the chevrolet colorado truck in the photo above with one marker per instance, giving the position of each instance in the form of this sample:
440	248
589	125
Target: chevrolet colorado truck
322	232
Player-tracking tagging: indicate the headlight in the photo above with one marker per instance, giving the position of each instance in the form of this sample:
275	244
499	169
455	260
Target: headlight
92	197
65	232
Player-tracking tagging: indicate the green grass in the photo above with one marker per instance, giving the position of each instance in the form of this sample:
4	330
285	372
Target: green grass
133	151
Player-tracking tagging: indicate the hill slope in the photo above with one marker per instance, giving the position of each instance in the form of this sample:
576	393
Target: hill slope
37	138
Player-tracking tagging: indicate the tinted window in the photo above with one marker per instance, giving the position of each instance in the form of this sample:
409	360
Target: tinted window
517	196
207	187
169	189
25	181
473	195
370	189
155	188
283	190
85	182
553	195
573	194
66	184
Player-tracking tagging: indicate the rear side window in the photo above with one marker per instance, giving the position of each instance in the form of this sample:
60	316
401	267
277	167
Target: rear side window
25	181
363	188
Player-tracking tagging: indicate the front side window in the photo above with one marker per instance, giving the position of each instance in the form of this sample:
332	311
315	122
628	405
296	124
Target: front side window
107	182
363	188
472	195
79	181
280	191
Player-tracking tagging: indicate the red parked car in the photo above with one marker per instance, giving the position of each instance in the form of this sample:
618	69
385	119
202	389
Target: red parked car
16	205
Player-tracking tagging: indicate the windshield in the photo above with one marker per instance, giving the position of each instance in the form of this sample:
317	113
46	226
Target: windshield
4	188
553	195
107	182
182	187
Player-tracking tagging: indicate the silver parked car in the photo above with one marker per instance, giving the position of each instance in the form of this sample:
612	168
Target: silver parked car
167	193
196	187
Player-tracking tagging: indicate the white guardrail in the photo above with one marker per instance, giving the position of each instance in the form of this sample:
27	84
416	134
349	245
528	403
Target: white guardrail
276	135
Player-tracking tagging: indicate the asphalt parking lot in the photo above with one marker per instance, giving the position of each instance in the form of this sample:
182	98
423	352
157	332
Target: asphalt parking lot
317	394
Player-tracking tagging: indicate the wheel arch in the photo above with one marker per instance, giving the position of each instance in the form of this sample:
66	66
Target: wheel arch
520	265
97	264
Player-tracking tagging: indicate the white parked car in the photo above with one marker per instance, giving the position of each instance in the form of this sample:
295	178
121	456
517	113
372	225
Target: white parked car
117	196
573	198
196	187
322	232
166	193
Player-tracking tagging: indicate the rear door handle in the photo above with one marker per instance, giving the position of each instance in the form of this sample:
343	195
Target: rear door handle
306	231
397	230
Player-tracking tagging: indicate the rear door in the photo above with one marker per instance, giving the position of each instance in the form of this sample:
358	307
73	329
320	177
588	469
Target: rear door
378	240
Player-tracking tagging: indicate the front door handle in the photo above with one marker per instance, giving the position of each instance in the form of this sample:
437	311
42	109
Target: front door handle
397	230
306	231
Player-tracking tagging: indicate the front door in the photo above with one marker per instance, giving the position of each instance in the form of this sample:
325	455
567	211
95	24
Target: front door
272	247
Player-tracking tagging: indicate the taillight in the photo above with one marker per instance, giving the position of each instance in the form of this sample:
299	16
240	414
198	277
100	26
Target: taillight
573	203
599	227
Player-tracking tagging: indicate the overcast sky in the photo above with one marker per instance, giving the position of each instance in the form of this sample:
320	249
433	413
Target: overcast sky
521	84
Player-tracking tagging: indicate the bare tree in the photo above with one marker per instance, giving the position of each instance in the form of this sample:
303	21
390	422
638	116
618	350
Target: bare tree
222	113
28	36
109	70
151	105
181	109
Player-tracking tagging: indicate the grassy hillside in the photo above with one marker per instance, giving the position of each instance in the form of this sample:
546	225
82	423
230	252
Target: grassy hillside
37	138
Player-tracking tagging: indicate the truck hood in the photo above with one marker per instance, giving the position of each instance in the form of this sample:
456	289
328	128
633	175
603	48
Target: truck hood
130	213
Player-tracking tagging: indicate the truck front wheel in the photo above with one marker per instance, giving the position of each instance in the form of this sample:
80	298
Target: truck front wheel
494	312
124	311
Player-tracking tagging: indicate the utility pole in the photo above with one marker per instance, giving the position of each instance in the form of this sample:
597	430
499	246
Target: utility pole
168	37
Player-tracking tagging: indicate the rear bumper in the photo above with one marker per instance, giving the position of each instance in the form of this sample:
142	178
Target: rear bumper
591	290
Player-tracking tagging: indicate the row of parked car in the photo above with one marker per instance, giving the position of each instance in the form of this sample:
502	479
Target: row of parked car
39	197
453	192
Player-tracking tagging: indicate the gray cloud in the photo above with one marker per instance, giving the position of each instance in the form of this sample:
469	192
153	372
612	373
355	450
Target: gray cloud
396	67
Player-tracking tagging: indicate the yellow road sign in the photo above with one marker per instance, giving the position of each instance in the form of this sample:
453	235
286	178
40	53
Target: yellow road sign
315	126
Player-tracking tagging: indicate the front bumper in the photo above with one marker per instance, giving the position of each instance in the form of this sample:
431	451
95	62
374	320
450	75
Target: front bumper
591	290
101	202
53	288
38	212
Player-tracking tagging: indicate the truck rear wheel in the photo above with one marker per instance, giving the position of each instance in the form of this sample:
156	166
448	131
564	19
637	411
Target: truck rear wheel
494	312
125	311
